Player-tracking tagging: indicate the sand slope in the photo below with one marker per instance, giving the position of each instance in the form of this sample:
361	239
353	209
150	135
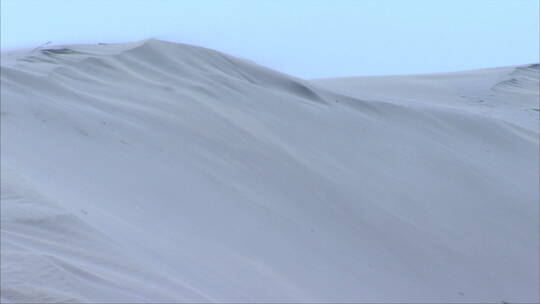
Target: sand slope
162	172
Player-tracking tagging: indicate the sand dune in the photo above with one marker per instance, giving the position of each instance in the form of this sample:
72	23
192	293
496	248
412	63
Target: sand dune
161	172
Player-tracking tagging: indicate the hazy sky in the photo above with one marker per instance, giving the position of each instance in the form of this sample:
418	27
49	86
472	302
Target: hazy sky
307	38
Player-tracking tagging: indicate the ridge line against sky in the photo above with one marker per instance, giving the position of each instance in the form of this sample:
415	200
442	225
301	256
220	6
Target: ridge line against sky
306	38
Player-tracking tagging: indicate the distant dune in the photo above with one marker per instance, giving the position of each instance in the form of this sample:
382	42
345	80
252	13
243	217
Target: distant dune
160	172
508	93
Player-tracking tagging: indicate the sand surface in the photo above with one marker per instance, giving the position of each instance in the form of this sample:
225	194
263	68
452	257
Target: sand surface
161	172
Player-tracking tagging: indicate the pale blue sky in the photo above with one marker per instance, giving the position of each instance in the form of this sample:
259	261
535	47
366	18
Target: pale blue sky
307	38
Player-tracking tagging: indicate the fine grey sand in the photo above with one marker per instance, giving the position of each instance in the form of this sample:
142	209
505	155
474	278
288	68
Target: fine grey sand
160	172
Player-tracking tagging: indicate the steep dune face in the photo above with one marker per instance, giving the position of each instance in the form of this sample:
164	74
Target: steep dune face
162	172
